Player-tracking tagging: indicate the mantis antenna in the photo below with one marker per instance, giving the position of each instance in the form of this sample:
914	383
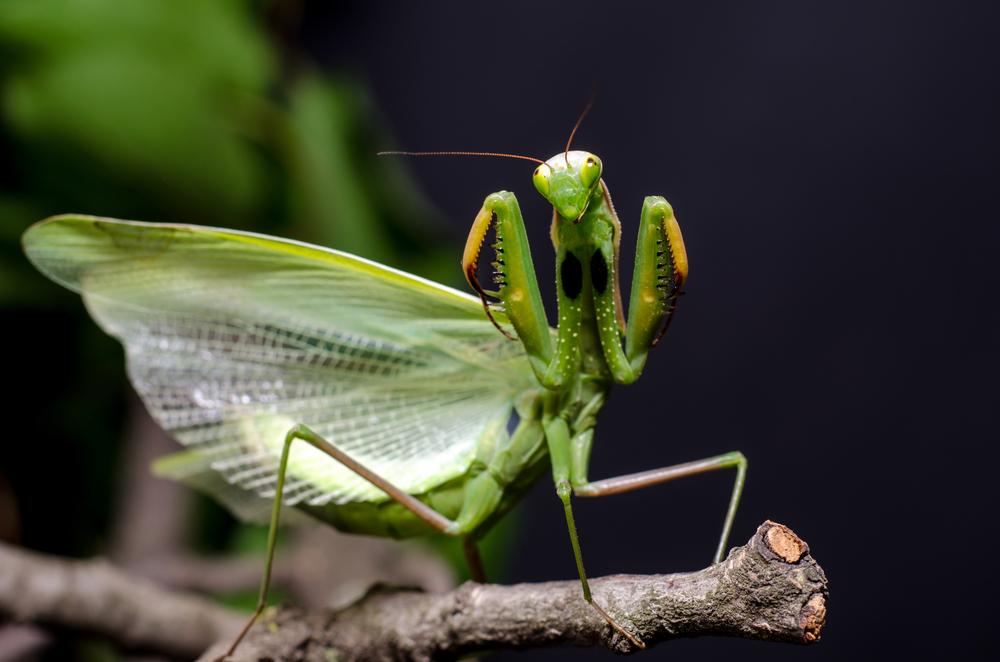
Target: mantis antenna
509	156
578	122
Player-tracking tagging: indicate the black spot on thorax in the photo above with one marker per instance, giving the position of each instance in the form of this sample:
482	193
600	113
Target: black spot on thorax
571	276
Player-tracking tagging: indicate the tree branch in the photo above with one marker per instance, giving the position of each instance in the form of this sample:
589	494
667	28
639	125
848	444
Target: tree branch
771	589
94	597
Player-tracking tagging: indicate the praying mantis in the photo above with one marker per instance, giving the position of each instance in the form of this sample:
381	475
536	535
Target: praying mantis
400	389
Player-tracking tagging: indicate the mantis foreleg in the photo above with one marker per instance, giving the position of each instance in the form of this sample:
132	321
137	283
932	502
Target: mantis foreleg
518	284
661	268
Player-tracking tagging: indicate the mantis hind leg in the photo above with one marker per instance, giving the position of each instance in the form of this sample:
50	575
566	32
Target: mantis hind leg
473	559
420	509
654	476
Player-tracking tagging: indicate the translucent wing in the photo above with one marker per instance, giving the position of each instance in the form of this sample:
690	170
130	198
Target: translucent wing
234	337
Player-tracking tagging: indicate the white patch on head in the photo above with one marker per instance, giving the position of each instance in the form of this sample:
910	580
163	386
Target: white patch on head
576	158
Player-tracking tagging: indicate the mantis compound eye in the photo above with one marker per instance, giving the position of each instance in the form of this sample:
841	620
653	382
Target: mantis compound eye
541	179
590	171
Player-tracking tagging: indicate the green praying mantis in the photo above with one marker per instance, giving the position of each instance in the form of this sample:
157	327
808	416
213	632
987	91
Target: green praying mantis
400	388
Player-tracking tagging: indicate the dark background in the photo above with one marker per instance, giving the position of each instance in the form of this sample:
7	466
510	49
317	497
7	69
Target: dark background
834	170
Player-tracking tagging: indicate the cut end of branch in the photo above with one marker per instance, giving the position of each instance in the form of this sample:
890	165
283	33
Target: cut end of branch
813	618
784	542
791	549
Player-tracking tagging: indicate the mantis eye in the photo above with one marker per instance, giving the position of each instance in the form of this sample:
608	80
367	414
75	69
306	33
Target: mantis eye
590	171
541	179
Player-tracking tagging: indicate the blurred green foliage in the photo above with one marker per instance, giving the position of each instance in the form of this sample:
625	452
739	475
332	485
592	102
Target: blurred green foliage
163	110
183	110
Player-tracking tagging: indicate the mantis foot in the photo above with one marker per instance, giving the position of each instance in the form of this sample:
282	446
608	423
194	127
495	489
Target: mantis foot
613	623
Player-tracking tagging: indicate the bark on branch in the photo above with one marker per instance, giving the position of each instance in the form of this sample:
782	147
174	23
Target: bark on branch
770	589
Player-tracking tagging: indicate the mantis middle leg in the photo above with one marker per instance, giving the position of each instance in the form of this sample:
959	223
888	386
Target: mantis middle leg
569	467
642	479
577	461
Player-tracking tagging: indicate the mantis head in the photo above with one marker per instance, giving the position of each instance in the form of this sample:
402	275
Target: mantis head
568	181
